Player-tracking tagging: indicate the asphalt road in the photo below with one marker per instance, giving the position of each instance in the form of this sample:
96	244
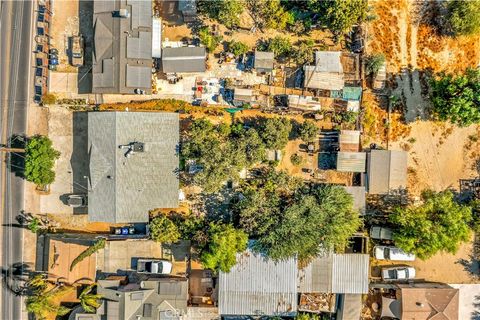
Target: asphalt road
15	93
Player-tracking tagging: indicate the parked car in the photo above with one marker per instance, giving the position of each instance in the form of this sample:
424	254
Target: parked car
392	253
77	51
77	200
154	266
53	51
398	273
381	233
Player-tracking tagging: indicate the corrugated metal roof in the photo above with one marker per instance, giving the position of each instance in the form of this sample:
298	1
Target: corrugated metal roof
315	79
349	140
264	60
257	285
387	171
124	189
328	61
156	38
336	273
183	59
351	161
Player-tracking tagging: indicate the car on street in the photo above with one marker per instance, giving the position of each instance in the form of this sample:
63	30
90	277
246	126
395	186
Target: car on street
154	266
392	253
398	273
381	233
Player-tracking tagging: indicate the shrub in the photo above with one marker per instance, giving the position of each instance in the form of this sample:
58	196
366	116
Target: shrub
464	16
295	159
237	47
373	63
280	46
49	98
210	41
162	229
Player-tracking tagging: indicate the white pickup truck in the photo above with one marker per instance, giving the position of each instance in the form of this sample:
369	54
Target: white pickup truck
154	266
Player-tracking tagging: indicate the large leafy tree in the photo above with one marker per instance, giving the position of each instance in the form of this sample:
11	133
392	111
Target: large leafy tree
221	151
209	40
304	53
223	244
464	16
280	46
340	15
457	98
40	158
308	131
275	132
226	12
163	230
287	220
270	14
438	225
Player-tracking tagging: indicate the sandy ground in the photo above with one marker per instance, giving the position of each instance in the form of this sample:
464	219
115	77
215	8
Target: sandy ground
439	155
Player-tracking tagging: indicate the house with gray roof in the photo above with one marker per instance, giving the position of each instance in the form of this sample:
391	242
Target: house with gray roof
133	164
258	286
327	72
386	171
264	61
122	46
152	299
183	60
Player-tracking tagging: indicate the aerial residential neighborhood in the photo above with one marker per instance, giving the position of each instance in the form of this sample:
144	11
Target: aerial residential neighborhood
240	159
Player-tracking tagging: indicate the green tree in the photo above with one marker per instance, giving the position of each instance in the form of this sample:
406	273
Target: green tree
275	132
163	230
464	16
340	15
89	300
308	131
457	98
237	47
248	149
295	159
39	160
34	225
438	225
224	242
287	220
280	46
304	53
226	12
99	244
210	41
270	14
373	63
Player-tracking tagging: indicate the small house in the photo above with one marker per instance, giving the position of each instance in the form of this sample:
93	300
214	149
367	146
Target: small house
303	103
183	60
264	61
243	96
327	73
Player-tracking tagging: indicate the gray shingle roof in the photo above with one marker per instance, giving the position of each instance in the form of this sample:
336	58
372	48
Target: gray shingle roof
122	42
257	285
124	189
183	59
386	171
336	273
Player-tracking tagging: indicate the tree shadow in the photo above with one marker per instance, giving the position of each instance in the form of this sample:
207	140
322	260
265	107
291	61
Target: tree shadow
475	315
16	160
217	205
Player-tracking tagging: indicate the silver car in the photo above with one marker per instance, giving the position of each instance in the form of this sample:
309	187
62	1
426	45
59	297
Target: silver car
381	233
398	273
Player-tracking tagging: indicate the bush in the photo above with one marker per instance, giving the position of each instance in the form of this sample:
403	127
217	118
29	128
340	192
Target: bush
237	47
304	53
280	46
373	63
295	159
49	98
99	244
226	12
210	41
34	225
163	230
308	131
39	160
275	132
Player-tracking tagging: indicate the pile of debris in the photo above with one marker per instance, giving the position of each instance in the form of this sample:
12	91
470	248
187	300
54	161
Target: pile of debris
317	302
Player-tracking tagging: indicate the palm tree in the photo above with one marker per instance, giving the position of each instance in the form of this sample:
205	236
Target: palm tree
40	303
89	300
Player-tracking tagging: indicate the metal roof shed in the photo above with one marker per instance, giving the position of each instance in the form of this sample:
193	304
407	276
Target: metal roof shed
386	171
264	61
336	273
257	285
183	59
351	161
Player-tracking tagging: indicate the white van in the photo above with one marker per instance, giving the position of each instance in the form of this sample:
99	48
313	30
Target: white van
392	253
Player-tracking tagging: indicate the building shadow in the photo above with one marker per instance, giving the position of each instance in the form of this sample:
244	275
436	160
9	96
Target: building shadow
79	160
85	14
